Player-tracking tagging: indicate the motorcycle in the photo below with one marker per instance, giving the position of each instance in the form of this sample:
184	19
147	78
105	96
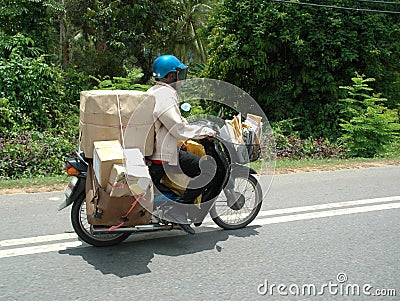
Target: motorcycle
233	197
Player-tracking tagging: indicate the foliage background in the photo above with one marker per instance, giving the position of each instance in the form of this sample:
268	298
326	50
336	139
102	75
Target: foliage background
291	58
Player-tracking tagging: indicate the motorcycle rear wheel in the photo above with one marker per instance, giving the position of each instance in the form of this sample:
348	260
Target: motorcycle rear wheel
83	228
239	214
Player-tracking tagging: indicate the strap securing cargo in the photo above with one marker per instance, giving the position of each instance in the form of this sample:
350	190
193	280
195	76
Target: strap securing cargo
121	126
125	216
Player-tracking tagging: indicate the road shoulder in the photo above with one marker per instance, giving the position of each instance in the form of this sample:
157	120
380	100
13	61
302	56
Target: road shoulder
312	167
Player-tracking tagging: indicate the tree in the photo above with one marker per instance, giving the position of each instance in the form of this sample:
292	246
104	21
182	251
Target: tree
106	37
30	85
109	35
31	18
292	59
35	93
189	43
368	125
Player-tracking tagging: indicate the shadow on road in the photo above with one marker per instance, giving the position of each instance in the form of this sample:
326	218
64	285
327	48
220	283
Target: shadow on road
133	258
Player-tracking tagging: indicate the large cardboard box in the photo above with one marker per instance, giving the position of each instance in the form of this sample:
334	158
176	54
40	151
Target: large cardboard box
111	209
100	119
105	155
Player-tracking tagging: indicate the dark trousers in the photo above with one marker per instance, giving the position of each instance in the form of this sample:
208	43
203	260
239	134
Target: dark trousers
199	170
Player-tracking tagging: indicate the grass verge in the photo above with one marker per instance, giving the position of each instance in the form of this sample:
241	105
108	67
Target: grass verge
40	184
309	165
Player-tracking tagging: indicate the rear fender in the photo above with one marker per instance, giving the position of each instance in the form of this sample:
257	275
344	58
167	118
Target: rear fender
78	190
236	168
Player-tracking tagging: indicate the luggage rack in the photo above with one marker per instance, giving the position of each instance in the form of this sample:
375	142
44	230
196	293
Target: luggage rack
139	228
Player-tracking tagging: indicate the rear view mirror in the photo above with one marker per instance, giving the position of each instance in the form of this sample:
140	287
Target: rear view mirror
186	107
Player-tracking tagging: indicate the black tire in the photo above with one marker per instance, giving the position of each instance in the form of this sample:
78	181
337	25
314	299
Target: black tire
82	227
222	210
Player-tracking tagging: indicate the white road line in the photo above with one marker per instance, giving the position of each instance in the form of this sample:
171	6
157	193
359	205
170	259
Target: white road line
328	206
329	212
320	207
321	214
37	239
39	249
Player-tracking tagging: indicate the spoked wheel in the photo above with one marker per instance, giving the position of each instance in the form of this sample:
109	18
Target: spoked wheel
83	228
238	208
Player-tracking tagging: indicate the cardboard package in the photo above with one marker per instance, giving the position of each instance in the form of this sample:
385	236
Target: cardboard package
105	210
105	155
255	123
232	131
123	183
138	176
192	147
100	119
117	185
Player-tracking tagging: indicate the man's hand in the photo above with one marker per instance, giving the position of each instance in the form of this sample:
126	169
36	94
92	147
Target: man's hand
212	136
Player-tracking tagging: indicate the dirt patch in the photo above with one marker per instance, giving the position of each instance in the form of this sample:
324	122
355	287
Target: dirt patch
339	166
33	189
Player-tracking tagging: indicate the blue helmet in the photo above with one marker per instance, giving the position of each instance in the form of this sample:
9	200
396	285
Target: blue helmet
169	63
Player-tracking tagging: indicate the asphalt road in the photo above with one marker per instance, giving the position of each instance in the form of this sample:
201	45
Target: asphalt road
319	236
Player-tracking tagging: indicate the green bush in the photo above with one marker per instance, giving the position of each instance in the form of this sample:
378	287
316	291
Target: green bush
38	94
131	82
6	116
73	82
289	144
294	147
33	87
29	154
368	126
392	150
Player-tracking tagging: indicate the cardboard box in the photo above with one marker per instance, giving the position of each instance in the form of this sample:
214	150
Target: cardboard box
132	178
134	157
105	155
138	175
117	185
138	179
100	119
113	208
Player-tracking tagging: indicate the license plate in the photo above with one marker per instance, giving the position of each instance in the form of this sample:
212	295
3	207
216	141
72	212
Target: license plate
71	186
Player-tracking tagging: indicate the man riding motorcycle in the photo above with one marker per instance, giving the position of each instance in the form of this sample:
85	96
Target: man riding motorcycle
170	127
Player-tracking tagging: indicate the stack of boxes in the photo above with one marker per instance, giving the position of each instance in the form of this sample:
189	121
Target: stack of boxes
117	131
122	115
109	119
120	172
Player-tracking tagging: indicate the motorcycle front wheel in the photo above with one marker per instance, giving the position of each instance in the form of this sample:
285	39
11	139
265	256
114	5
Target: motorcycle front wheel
83	228
238	209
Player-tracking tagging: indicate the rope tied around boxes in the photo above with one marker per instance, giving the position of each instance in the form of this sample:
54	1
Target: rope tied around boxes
121	126
137	198
125	216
